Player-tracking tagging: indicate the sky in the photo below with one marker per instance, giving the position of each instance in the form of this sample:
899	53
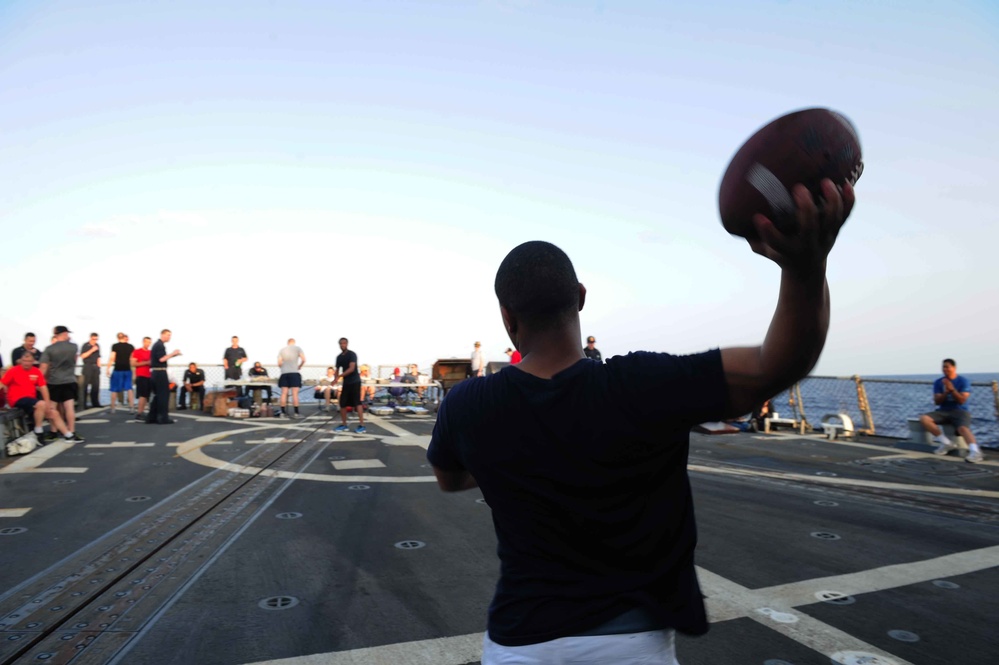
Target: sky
317	169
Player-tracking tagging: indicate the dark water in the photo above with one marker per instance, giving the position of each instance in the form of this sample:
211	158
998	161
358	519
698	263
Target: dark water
893	400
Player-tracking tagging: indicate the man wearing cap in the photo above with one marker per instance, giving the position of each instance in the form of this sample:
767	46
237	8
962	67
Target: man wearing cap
478	364
59	369
515	356
159	410
591	351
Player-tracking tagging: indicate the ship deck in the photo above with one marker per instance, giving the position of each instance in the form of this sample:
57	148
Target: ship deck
221	541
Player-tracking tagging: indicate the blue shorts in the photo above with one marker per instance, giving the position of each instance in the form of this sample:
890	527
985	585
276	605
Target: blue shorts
290	380
121	380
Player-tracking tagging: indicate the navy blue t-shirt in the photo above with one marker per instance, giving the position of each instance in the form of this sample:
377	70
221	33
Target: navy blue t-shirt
343	362
157	352
586	477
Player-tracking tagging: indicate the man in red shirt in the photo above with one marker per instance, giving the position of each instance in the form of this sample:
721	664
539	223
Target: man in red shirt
24	383
143	376
514	356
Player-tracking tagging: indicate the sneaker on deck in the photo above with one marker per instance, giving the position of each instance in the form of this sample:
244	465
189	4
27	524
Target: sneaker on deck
361	429
76	438
944	448
42	439
975	457
342	428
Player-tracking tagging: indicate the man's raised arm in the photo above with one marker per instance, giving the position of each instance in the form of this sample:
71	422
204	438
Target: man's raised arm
798	329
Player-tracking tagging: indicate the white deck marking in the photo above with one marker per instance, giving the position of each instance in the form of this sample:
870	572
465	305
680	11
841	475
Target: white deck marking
854	482
119	444
192	451
272	439
92	421
456	650
13	512
34	459
210	443
344	465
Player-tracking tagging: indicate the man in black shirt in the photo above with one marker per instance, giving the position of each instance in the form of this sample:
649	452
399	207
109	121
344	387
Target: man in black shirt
90	354
350	395
194	383
591	351
232	361
593	513
259	370
120	371
159	410
27	347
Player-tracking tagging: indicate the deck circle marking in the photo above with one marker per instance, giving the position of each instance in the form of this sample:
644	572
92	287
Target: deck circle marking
64	481
135	499
835	598
278	603
288	516
825	502
903	635
828	474
944	584
359	487
777	661
12	530
824	535
410	544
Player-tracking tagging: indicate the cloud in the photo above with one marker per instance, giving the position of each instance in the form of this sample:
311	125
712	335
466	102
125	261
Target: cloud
97	231
654	237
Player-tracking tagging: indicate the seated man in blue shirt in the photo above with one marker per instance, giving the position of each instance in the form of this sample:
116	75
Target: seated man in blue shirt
950	394
586	478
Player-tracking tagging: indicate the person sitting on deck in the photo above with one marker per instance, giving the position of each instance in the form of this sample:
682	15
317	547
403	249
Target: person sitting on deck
367	391
24	383
758	421
326	388
413	376
194	383
950	394
256	371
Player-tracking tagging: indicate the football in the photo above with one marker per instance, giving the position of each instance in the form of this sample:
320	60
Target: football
801	147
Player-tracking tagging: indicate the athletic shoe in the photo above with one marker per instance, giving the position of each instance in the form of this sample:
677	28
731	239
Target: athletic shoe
139	419
51	436
975	457
295	416
945	448
76	438
42	440
361	430
342	428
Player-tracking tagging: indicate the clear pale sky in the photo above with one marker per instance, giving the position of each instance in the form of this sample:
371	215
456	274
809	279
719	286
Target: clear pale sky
317	169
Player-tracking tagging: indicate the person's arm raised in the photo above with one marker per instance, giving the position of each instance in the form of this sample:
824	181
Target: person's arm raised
798	329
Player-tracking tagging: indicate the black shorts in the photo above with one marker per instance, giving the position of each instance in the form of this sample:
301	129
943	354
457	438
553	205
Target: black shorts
143	386
351	394
955	417
27	405
63	392
290	380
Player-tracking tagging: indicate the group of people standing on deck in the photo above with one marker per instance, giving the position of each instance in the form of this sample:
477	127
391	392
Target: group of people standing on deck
44	384
478	366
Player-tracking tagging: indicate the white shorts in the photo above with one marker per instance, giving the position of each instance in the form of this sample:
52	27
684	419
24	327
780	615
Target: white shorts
654	647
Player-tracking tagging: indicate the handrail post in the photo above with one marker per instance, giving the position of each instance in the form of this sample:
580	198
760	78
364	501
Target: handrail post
864	406
803	421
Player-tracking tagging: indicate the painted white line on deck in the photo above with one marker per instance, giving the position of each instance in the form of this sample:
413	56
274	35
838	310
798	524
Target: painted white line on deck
119	444
345	465
37	457
271	439
846	482
457	650
887	577
210	443
13	512
60	469
94	421
388	427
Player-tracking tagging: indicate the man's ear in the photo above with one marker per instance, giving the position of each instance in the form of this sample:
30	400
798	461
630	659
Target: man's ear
582	296
510	323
